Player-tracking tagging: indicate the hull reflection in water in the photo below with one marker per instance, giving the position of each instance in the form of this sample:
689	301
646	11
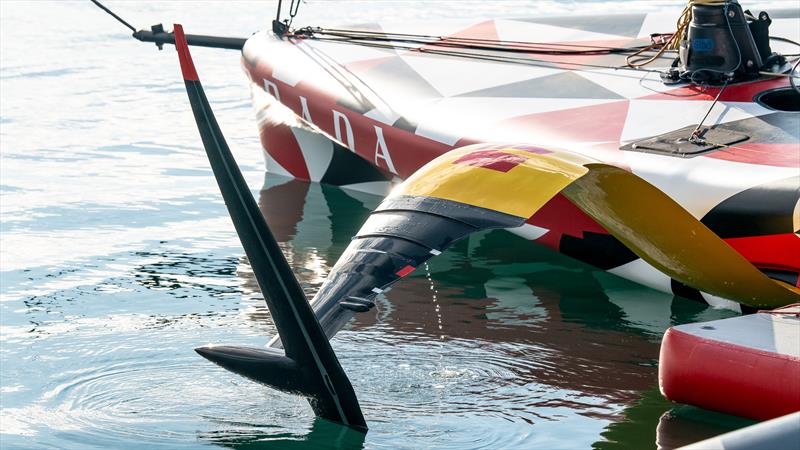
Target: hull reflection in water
497	328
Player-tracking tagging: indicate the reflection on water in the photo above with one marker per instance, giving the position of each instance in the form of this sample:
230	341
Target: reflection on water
500	343
118	258
685	424
522	341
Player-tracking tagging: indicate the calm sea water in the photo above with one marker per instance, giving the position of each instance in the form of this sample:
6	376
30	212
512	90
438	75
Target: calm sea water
117	258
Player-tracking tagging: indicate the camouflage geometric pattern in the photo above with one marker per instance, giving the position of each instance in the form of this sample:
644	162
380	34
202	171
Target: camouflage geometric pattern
320	103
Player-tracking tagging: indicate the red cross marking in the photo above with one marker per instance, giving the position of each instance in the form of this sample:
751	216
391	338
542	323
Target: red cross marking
497	160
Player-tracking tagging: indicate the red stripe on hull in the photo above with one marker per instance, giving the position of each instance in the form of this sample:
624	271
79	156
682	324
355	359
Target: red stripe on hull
742	92
413	151
284	149
775	251
594	123
728	378
410	151
780	155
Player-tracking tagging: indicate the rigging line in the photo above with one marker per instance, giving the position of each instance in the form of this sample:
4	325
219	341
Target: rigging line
486	57
544	44
523	47
644	60
533	61
293	8
457	38
452	43
783	39
518	60
369	43
337	71
111	13
372	99
503	48
479	43
695	136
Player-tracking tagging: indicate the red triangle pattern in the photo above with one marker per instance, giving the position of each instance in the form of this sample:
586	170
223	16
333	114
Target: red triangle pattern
595	123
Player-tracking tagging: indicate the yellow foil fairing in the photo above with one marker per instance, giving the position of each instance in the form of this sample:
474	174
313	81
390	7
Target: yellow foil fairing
519	180
516	181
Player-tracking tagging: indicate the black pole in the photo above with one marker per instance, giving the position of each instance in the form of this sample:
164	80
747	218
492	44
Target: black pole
160	37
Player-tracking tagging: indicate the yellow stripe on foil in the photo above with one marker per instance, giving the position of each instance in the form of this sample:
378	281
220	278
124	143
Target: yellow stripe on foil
646	220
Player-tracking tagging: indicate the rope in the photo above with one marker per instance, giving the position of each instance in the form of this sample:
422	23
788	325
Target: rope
359	36
783	39
484	56
293	8
474	48
695	137
791	75
119	19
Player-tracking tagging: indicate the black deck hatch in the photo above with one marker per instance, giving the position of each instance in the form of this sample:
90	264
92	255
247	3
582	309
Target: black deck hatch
677	143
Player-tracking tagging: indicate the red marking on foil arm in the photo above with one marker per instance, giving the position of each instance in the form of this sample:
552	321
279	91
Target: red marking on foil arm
187	65
405	271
